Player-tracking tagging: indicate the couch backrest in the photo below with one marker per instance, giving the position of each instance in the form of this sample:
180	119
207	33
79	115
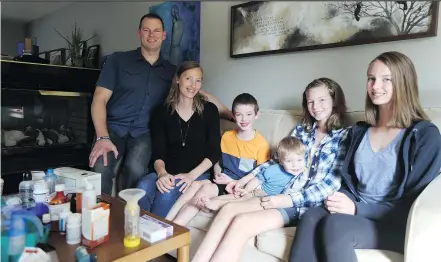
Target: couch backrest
276	124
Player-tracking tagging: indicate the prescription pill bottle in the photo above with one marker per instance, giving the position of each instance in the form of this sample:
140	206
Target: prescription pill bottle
73	229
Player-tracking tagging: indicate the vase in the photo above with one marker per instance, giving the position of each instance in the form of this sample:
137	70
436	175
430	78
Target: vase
77	61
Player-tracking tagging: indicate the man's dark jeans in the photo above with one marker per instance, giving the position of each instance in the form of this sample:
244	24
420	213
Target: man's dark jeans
136	153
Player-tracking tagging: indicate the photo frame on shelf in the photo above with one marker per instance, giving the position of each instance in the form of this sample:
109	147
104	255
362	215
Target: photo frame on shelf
91	60
267	27
55	57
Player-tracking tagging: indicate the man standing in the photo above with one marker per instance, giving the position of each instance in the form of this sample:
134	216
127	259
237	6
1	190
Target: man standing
130	85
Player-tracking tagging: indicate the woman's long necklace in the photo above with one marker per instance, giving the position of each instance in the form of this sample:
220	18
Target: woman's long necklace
183	139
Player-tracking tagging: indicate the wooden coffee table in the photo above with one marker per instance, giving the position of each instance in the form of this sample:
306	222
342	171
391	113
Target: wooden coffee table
114	249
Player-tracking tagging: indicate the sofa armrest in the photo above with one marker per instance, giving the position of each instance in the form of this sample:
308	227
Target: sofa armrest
424	225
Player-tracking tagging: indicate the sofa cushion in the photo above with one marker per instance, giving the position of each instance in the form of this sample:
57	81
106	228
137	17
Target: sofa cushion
276	242
201	221
370	255
434	115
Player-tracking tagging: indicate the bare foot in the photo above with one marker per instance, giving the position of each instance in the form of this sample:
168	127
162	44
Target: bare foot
200	203
197	202
214	204
204	207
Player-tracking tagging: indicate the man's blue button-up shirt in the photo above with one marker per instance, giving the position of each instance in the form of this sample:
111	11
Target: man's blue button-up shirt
137	86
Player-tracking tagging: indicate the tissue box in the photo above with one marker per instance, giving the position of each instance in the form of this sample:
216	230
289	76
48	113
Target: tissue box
74	178
151	231
168	228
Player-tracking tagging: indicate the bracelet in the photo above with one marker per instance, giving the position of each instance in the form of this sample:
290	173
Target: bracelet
102	137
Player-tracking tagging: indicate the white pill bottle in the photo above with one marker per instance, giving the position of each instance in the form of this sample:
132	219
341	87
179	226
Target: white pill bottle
73	229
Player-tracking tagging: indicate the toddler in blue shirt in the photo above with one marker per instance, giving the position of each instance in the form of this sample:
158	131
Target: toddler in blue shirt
271	181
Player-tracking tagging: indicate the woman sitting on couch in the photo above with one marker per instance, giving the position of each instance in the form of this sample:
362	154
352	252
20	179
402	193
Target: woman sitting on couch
185	140
322	131
391	159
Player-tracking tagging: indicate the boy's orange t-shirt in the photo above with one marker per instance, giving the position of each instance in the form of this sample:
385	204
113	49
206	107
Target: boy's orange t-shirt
239	157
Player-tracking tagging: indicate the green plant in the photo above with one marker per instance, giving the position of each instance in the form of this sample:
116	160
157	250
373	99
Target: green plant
75	45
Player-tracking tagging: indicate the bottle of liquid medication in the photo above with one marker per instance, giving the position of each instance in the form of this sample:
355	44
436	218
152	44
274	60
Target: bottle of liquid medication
26	191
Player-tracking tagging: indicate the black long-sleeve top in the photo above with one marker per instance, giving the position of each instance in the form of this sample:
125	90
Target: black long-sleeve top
202	140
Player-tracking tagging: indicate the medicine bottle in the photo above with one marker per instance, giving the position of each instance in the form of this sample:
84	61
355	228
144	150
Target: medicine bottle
59	204
73	229
41	192
62	222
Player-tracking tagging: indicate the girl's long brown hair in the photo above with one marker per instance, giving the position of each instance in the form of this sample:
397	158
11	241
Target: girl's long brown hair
406	107
338	117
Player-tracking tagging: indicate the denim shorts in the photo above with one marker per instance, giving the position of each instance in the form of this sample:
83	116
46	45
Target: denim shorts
290	216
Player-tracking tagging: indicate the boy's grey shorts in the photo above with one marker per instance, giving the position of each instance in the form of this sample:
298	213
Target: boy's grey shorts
290	216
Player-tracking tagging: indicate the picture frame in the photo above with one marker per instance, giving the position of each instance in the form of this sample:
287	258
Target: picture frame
91	60
182	22
274	27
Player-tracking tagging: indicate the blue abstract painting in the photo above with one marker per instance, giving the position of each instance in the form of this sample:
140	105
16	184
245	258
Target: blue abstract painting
182	24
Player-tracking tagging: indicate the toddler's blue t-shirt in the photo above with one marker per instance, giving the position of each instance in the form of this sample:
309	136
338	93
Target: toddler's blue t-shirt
274	179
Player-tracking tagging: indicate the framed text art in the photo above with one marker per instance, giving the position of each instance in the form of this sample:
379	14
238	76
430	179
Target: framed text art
270	27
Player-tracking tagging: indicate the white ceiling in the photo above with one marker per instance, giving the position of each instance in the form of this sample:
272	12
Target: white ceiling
29	10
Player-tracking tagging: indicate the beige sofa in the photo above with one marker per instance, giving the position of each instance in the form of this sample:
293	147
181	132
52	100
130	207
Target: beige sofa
424	222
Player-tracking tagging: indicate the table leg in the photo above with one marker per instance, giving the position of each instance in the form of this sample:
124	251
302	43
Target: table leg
184	254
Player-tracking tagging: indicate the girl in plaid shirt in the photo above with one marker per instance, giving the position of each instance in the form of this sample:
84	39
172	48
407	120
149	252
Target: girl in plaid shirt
322	131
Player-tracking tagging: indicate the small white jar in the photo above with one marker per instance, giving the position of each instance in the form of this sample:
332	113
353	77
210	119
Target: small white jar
41	192
73	229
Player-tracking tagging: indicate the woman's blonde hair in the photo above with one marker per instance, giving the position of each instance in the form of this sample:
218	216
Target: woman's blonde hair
338	117
406	107
172	99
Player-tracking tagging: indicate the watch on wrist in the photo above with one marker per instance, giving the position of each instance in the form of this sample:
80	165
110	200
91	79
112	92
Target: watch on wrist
102	137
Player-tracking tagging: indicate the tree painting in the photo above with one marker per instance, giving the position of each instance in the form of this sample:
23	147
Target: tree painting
270	27
406	17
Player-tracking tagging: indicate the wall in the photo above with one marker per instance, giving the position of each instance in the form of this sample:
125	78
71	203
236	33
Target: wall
277	81
12	32
115	24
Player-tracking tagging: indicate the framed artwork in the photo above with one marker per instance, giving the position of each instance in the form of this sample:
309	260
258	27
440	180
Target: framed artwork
270	27
91	60
182	23
55	57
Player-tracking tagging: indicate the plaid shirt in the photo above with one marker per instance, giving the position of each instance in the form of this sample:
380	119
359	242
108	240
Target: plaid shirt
296	184
324	178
